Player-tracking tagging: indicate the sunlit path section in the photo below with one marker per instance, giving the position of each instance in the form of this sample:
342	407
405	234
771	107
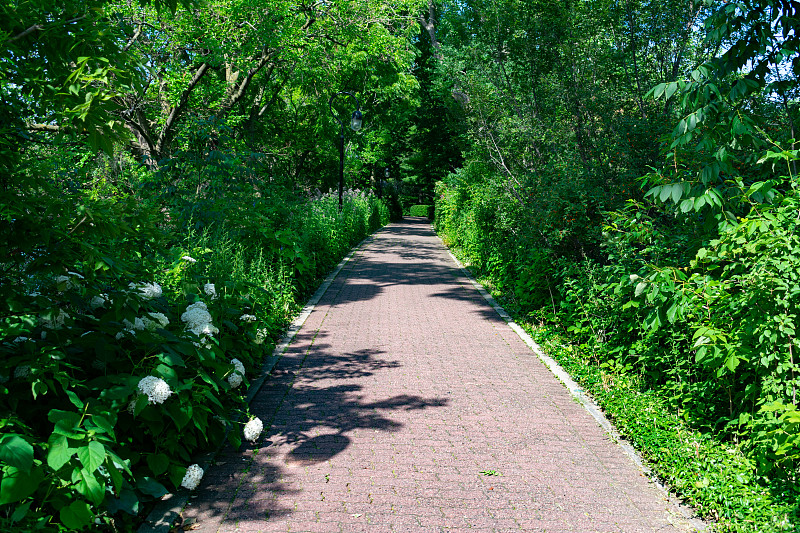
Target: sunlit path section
406	403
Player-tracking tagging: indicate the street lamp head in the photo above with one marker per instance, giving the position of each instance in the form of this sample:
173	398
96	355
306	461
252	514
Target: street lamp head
355	122
386	173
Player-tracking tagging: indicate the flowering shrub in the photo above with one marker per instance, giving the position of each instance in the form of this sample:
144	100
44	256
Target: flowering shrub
123	355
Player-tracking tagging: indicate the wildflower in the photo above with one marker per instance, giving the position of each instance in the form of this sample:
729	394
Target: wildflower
253	429
148	291
210	290
137	325
196	314
247	318
189	259
207	329
192	477
235	379
261	336
155	320
238	366
22	371
98	301
156	389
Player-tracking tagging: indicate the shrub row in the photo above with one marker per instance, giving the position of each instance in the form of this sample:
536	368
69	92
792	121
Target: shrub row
129	333
706	323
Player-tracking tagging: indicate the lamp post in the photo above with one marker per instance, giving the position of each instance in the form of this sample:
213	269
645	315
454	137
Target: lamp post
355	124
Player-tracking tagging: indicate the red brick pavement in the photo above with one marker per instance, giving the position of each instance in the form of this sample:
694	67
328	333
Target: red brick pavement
401	392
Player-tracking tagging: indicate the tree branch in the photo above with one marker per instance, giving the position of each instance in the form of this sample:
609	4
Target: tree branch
177	110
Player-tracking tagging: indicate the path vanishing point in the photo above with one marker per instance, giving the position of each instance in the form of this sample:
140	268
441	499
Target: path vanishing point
407	404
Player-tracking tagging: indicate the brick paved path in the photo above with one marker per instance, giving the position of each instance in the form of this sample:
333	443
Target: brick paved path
401	392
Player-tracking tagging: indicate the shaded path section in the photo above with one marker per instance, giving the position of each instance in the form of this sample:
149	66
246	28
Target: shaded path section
406	403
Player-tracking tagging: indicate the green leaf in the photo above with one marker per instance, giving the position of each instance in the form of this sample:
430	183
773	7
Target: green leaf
87	484
732	362
16	451
73	398
127	502
151	487
670	90
20	511
92	455
158	463
76	515
59	453
18	485
677	192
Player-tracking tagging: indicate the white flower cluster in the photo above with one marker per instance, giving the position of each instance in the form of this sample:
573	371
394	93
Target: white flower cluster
192	477
98	301
189	259
56	321
247	318
198	321
153	321
22	371
148	291
156	389
261	335
253	429
236	377
67	280
211	290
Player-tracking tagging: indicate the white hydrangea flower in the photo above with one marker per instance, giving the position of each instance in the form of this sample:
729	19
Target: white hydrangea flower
98	301
192	477
66	281
189	259
20	340
196	315
55	322
155	320
253	429
148	291
210	290
208	329
247	318
132	405
22	371
156	389
235	379
137	325
261	336
238	366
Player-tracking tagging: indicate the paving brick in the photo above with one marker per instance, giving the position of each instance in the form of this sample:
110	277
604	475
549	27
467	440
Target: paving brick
404	385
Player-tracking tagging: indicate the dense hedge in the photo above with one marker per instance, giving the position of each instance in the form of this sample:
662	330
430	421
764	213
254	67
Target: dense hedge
421	211
130	326
709	325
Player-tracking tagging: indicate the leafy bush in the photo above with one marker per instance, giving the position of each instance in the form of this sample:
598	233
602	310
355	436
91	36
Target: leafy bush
421	211
128	333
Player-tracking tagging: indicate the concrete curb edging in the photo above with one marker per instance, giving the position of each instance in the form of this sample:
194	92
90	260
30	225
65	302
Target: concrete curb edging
168	509
688	515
